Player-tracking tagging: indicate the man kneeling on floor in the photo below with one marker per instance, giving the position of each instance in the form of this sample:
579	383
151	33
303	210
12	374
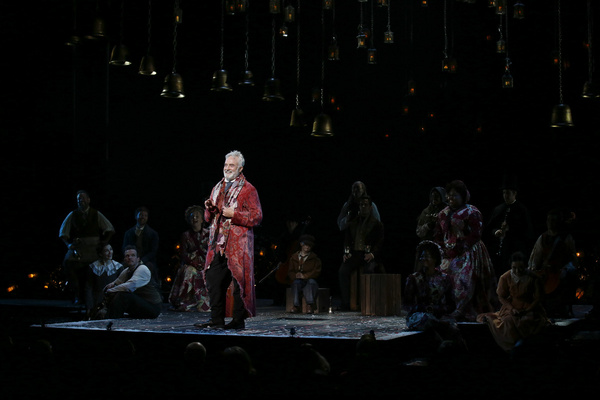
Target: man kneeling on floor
132	292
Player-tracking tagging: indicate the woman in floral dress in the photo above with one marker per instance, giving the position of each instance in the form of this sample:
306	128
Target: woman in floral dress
189	290
466	258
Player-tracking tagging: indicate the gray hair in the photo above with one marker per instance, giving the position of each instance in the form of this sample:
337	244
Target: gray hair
238	155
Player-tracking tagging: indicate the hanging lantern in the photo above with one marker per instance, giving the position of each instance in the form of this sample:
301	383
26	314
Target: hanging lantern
500	7
501	46
333	50
445	65
241	6
327	4
507	80
518	11
372	56
290	13
412	87
361	40
424	3
491	3
382	3
274	6
230	7
452	65
388	37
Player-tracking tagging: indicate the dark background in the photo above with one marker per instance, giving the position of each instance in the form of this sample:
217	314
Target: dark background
71	121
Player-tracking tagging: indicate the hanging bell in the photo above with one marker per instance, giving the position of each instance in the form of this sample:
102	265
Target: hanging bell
561	116
247	79
98	29
298	119
322	126
272	92
74	40
147	66
119	55
590	90
173	86
219	82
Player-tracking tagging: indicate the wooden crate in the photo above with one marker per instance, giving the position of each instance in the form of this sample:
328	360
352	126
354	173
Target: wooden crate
322	301
381	294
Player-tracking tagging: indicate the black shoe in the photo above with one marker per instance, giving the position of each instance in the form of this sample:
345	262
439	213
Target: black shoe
211	324
237	324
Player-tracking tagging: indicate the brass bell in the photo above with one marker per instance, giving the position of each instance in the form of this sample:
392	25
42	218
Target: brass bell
298	119
590	90
247	79
561	116
98	29
272	92
119	55
147	66
322	126
173	86
219	82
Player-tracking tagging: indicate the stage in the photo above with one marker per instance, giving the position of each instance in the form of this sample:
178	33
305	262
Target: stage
58	350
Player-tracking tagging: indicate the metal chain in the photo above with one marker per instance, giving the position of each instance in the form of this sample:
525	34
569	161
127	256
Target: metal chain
222	33
590	30
273	46
389	19
298	55
246	62
372	25
149	24
560	81
175	23
445	31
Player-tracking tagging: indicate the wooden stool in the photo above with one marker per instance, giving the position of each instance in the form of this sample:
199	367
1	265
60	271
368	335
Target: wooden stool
381	294
321	302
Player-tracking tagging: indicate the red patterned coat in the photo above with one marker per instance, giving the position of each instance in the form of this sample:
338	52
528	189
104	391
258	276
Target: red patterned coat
239	245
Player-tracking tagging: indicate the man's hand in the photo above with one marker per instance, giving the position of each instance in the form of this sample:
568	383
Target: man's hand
228	212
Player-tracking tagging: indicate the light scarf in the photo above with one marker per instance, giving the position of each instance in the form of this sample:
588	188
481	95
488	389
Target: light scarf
220	225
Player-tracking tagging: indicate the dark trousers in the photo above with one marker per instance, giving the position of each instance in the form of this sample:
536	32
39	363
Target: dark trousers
76	274
309	288
132	304
218	279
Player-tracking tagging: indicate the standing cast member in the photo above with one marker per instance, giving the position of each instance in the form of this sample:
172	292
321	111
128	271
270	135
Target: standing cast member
189	291
233	210
82	230
466	258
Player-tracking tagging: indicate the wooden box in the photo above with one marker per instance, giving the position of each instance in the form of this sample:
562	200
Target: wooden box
381	294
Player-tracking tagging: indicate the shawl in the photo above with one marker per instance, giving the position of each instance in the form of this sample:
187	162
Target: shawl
220	225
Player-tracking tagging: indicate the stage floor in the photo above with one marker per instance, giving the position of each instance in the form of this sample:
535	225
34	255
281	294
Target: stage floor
270	321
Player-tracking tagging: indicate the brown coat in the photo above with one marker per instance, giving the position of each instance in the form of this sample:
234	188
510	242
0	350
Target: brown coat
311	267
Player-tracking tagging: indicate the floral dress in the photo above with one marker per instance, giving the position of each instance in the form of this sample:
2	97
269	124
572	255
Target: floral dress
189	292
467	261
